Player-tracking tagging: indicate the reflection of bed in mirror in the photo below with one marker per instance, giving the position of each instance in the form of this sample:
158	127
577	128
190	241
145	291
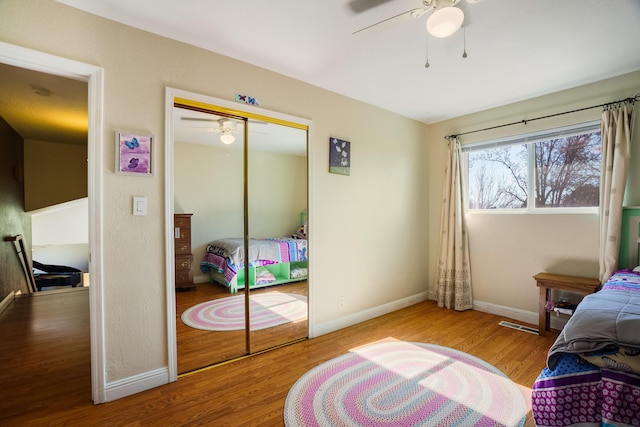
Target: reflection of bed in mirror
258	183
272	261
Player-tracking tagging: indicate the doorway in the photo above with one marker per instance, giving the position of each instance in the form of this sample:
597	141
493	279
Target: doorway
249	192
37	61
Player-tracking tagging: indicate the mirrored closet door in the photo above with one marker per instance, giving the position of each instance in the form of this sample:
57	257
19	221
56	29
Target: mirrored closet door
277	206
243	179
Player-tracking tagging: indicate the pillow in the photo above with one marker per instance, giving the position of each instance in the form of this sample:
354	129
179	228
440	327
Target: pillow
298	272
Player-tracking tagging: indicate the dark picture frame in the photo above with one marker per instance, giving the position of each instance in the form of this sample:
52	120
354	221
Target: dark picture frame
339	156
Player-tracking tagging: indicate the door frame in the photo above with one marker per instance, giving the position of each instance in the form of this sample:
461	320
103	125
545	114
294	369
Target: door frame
94	76
171	95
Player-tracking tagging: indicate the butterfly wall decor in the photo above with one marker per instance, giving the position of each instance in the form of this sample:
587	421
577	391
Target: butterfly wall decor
133	153
133	143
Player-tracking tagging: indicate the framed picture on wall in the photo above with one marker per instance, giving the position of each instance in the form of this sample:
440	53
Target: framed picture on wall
133	153
339	156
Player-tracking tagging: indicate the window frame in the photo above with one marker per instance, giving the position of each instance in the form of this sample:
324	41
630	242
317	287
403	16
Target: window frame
530	139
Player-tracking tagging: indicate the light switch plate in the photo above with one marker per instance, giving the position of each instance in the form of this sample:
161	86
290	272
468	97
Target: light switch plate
139	206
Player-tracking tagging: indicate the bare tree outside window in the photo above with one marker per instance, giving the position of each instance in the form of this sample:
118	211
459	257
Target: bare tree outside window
568	171
566	174
498	178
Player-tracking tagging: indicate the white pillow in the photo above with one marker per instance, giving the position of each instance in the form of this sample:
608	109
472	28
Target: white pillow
637	269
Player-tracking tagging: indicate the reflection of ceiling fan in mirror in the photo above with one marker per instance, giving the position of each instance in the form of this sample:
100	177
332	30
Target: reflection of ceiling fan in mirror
195	127
223	125
446	19
227	127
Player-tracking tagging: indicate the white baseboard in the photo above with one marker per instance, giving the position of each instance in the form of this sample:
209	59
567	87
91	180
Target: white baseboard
6	302
135	384
202	278
529	317
499	310
355	318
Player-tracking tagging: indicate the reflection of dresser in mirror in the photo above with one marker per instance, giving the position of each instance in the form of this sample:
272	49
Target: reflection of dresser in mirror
183	255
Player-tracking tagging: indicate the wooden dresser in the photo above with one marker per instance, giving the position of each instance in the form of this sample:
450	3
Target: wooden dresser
183	255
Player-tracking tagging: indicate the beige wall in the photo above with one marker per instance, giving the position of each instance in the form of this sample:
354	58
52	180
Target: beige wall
277	193
204	185
53	173
368	228
508	249
60	234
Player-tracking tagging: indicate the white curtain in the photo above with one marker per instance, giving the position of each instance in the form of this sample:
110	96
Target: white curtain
616	147
454	273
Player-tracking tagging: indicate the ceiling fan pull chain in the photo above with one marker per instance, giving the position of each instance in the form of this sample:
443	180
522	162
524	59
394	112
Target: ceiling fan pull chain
426	40
464	41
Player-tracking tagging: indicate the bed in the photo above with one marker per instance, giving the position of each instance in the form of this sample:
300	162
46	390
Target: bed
272	261
592	377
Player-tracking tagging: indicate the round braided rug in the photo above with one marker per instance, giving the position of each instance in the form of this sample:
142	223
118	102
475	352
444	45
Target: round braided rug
266	311
396	383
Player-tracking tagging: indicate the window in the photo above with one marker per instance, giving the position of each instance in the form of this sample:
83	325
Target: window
558	168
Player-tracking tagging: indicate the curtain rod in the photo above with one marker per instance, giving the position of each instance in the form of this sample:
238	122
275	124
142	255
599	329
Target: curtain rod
630	100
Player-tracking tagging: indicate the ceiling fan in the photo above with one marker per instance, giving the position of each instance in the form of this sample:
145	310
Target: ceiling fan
223	125
446	19
227	127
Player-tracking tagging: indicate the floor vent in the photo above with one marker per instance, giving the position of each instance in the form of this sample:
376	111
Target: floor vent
518	327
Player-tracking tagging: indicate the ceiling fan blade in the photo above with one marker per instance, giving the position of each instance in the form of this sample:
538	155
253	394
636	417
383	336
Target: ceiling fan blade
198	119
358	6
203	119
409	15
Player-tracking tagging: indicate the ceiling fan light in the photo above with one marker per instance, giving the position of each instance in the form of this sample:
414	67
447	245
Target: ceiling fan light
445	21
227	138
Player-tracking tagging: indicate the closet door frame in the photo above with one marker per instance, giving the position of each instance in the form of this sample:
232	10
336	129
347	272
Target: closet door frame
176	96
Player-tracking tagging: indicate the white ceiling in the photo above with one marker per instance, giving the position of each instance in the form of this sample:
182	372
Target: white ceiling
44	107
517	49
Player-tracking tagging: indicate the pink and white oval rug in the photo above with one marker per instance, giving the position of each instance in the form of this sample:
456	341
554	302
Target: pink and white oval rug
396	383
266	311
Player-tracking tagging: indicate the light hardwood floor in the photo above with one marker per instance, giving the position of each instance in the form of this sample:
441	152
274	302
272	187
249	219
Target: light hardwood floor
197	348
45	376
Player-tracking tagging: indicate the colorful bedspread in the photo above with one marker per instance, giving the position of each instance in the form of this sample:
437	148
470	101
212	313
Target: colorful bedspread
593	385
227	255
577	393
